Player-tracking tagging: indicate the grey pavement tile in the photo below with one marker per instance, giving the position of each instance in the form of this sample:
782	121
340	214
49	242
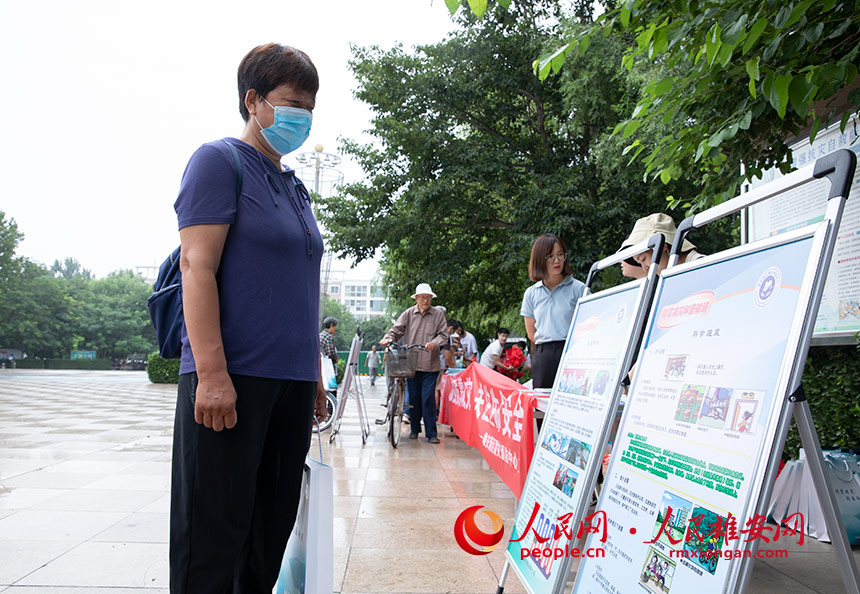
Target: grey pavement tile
138	527
121	436
128	565
51	525
80	590
100	500
25	497
80	446
159	506
49	456
21	558
18	428
44	479
133	482
116	454
10	467
817	571
148	467
96	467
766	580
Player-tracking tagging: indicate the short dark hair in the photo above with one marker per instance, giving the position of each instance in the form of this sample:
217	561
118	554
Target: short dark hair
452	323
503	331
267	67
329	322
541	248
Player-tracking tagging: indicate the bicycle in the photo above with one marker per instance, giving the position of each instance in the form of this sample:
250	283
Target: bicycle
400	364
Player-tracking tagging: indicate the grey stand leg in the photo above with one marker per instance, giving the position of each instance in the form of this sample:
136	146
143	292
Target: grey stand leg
504	578
832	517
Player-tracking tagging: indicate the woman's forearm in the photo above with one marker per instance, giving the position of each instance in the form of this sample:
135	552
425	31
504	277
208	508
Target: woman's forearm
203	320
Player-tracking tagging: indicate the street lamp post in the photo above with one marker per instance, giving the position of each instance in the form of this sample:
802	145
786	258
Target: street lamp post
322	168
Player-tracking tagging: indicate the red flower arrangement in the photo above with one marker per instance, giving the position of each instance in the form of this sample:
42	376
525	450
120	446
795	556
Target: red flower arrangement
512	357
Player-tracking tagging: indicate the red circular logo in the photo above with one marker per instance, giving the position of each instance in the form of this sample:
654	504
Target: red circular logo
465	526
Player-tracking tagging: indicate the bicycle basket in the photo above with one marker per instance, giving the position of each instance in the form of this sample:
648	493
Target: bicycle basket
402	362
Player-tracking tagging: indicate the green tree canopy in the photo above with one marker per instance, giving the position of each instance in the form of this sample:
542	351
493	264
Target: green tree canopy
474	157
10	264
735	81
48	313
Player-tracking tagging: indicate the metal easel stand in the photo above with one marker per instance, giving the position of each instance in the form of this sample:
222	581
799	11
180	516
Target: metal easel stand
824	491
504	578
797	403
360	404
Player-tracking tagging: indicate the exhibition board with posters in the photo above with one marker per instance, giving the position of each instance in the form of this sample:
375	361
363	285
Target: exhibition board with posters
838	319
708	410
604	332
350	387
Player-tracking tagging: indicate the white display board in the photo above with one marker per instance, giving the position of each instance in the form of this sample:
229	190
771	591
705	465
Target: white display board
839	314
701	418
570	446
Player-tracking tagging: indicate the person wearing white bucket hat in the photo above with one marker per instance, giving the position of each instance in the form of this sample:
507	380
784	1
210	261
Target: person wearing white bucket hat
646	227
422	324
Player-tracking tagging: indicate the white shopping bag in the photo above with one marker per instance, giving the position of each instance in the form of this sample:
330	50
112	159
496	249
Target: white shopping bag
787	483
328	374
307	567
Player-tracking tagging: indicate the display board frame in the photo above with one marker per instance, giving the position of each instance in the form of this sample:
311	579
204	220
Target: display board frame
644	292
351	387
786	399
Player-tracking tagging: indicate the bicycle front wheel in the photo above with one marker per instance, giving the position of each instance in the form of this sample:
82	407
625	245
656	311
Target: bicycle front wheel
396	415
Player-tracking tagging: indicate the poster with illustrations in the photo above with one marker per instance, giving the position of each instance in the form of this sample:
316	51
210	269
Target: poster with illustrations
696	422
577	411
840	305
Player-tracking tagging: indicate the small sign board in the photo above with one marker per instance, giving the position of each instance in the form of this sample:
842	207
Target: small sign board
83	355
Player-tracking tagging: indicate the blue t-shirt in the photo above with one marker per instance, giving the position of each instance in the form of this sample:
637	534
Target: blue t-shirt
552	310
269	277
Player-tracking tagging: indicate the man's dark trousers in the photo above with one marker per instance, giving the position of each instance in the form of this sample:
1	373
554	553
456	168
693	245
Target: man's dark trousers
422	397
235	493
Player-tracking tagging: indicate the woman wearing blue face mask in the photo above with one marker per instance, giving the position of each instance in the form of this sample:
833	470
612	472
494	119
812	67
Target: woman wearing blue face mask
250	362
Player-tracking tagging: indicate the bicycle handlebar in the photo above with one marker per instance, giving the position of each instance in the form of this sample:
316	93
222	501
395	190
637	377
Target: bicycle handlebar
395	347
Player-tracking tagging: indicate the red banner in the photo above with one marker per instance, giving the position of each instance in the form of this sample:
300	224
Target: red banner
493	413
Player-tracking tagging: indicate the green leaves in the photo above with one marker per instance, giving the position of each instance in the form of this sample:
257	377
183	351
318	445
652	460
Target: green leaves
783	15
798	91
755	32
452	5
752	71
775	89
625	16
712	43
553	62
479	7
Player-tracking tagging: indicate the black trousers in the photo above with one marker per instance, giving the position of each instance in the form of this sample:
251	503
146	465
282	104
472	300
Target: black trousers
545	362
235	493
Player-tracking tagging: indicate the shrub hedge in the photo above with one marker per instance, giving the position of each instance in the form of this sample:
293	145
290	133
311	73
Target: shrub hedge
100	364
91	364
162	371
28	364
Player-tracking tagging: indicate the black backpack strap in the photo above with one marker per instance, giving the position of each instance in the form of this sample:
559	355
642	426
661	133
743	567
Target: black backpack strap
237	167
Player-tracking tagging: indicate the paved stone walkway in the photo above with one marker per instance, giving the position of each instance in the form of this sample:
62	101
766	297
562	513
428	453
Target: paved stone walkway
85	473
